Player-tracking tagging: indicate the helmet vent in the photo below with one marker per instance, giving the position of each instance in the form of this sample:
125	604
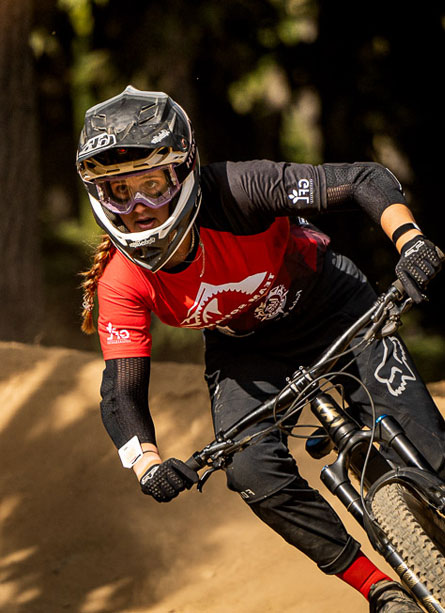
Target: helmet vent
99	122
147	113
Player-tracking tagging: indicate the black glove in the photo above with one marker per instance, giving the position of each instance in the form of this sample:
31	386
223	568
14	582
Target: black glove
165	481
420	261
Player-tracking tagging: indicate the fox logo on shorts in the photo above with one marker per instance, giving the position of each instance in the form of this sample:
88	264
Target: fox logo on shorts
394	371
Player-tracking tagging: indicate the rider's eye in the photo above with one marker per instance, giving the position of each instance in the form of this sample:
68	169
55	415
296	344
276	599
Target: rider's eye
120	191
153	187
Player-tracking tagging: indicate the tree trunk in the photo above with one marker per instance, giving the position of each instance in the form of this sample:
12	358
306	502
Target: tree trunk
20	277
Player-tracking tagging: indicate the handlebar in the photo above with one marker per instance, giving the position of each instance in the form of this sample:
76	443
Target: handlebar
383	319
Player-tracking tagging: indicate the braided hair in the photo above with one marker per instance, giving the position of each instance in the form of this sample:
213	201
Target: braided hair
102	256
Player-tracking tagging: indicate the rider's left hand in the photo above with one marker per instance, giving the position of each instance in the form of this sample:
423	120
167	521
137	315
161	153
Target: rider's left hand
420	261
166	480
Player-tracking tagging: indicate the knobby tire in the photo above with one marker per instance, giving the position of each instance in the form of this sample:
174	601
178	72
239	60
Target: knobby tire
416	531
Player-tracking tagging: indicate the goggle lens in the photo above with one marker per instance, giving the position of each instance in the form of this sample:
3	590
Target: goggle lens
153	188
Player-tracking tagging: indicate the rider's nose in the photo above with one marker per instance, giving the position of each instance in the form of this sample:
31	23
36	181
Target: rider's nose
139	207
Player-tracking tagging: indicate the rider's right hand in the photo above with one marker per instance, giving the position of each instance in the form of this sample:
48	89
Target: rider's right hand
166	480
420	261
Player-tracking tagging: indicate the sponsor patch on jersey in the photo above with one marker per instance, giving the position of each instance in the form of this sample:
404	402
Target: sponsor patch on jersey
116	336
273	305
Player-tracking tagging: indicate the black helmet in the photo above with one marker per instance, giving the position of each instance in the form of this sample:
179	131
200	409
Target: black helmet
132	133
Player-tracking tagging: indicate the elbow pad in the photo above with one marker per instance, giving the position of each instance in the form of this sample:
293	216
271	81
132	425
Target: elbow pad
369	185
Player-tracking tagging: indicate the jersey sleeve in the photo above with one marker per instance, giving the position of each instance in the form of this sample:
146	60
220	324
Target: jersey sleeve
278	188
246	197
124	313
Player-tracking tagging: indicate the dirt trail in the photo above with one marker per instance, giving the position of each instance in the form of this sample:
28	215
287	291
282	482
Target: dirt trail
77	536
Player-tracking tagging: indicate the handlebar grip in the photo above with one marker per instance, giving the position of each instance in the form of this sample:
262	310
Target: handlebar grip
399	287
193	463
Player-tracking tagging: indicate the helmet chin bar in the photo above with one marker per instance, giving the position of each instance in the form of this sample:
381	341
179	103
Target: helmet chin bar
161	260
172	236
177	238
180	241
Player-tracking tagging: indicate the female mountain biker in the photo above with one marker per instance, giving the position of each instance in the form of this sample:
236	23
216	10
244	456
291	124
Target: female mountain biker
227	249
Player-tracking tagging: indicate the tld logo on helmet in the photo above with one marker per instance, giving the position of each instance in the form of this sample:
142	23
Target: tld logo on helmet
98	142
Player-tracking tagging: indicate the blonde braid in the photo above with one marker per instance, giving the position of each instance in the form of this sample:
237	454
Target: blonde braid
102	256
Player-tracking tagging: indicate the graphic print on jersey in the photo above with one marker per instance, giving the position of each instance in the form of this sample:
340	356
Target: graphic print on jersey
394	371
273	305
206	310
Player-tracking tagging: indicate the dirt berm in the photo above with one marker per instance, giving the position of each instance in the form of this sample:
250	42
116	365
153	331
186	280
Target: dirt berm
77	535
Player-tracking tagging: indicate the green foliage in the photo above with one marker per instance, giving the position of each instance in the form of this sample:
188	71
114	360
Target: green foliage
43	42
81	14
300	135
66	250
426	346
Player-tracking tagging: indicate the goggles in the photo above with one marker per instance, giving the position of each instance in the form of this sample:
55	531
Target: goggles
153	188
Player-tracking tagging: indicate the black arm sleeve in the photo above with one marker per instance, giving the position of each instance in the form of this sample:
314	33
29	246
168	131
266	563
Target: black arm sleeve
124	405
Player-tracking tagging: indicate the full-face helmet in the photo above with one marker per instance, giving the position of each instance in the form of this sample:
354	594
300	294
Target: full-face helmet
139	147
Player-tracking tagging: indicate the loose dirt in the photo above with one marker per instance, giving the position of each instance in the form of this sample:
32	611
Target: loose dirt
76	535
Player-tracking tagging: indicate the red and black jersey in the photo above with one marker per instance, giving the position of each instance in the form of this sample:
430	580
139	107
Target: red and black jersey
255	260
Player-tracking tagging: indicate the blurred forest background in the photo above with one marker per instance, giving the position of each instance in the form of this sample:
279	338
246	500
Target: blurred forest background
301	80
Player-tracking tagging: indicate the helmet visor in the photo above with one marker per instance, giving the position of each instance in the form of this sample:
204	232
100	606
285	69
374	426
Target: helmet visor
154	188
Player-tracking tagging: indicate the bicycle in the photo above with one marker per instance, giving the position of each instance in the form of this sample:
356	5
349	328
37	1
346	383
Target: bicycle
402	509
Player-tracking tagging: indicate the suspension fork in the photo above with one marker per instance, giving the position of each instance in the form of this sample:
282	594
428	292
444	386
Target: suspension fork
352	443
390	431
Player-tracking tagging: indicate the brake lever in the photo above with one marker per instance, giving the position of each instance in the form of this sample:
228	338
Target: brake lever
393	313
218	464
204	478
407	304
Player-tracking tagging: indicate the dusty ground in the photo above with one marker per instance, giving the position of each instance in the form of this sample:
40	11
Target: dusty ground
77	536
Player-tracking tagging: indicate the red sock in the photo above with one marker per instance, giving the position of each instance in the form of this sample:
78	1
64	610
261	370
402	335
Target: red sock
362	574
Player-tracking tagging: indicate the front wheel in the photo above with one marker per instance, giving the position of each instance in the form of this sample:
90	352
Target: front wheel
417	533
